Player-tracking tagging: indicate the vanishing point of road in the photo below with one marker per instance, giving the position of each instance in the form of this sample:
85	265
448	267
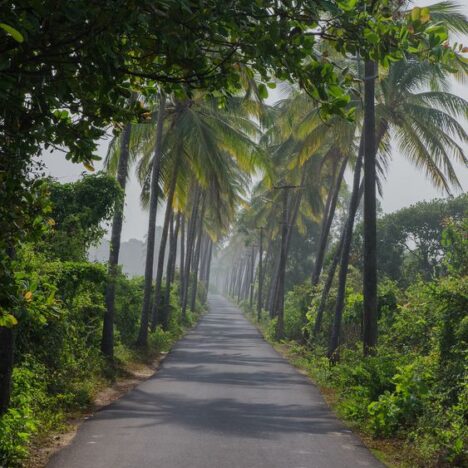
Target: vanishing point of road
223	398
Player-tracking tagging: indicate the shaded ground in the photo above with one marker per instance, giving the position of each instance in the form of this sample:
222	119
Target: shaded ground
223	398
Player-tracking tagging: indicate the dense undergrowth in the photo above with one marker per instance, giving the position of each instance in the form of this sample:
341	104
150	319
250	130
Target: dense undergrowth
413	392
58	363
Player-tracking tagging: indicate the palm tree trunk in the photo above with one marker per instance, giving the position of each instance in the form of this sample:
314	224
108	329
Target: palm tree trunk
191	230
235	277
208	268
240	280
107	341
172	264
332	269
167	290
292	218
273	294
196	262
162	246
344	260
267	268
252	278
170	269
142	339
246	277
370	213
282	270
182	257
260	276
206	259
327	222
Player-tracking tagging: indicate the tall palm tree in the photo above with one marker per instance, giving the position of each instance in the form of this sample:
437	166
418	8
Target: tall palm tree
107	342
142	339
413	106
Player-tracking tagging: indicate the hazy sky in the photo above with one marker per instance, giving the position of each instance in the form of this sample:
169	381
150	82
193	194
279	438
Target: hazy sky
404	185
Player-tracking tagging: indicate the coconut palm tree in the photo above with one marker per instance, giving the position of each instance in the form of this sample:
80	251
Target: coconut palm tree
422	118
205	139
142	339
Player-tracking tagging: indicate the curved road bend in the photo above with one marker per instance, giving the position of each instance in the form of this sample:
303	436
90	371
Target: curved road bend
222	399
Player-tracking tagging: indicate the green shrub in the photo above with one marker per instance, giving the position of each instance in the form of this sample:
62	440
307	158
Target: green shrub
31	410
295	307
394	411
128	304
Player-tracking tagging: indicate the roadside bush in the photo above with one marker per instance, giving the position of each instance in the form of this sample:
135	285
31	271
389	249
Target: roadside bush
128	304
396	410
295	306
30	412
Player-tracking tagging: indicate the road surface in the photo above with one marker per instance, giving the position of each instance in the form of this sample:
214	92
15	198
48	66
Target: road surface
223	398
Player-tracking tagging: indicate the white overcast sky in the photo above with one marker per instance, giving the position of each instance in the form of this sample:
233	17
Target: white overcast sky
404	185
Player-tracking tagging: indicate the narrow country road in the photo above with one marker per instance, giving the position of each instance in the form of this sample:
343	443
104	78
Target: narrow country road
222	399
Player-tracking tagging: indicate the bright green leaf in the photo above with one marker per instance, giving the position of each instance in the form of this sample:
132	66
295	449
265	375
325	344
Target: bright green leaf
14	33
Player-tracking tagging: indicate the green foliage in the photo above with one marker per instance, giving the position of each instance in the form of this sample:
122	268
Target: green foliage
414	240
295	304
393	411
79	210
128	303
455	245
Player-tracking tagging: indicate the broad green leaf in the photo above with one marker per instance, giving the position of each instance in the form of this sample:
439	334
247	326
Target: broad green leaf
14	33
262	91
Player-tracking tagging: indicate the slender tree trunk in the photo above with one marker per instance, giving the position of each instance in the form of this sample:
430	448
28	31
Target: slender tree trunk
282	269
162	246
208	268
370	213
240	279
206	259
167	289
327	287
196	262
190	247
182	257
273	293
344	260
203	262
327	222
260	276
292	218
246	278
332	269
235	278
267	267
170	270
143	332
107	341
7	346
252	278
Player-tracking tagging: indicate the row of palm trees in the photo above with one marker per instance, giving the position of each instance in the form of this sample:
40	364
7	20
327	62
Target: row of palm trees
196	156
412	112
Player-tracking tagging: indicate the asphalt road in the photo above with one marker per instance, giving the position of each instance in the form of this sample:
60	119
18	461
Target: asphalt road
222	399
